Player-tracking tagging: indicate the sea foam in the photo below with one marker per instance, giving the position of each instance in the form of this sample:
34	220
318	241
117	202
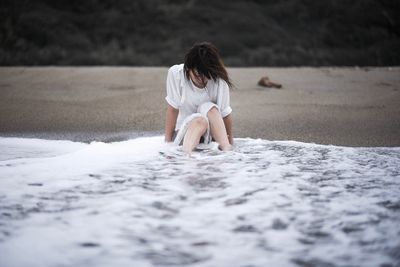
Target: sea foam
142	202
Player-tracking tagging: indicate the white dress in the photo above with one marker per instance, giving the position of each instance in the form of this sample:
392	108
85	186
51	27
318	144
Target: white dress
193	102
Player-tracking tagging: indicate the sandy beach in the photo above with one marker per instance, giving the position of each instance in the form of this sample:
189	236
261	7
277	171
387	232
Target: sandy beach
142	202
339	106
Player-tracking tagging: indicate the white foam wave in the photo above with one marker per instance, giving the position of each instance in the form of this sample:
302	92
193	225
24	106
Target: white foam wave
142	203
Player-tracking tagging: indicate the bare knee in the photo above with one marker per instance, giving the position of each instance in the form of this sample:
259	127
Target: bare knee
200	123
212	111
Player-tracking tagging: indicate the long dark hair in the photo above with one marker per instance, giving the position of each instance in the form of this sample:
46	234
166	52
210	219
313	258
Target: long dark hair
204	57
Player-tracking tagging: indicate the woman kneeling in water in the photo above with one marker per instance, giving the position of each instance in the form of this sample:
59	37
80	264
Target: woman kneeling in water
198	100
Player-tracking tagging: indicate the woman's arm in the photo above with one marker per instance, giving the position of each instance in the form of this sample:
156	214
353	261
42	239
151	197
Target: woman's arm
170	122
228	127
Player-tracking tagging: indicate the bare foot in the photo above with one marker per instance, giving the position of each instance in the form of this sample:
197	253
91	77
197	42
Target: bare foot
187	152
225	148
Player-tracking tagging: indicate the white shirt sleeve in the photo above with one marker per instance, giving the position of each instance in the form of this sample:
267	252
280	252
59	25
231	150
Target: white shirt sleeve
173	96
223	100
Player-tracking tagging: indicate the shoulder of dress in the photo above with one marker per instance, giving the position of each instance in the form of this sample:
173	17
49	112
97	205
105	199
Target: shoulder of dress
222	82
176	69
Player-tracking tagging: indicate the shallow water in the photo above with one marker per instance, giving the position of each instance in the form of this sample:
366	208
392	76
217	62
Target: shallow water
141	203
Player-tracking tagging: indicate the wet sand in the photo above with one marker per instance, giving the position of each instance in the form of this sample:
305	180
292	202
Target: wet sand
340	106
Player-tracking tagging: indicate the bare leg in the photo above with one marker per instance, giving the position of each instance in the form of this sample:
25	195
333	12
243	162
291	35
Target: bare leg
218	131
196	129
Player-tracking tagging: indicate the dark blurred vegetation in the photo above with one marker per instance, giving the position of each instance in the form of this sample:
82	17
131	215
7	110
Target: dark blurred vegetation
158	32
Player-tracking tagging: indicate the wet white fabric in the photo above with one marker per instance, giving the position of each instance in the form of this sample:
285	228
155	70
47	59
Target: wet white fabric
202	111
182	94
